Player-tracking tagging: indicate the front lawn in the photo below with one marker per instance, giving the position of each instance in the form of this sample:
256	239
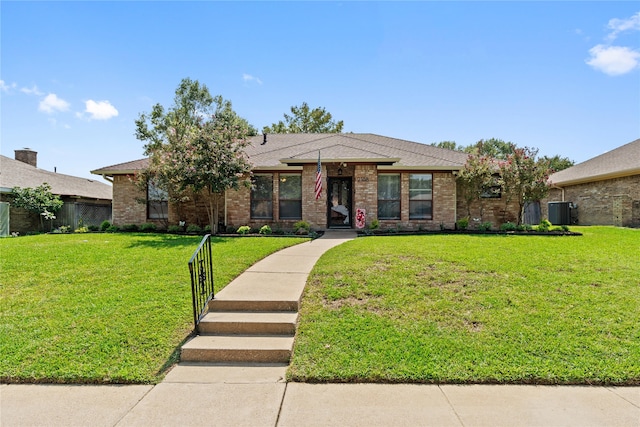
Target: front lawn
104	308
474	309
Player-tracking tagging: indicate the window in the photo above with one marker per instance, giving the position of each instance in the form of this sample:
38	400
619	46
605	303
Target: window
290	194
421	196
157	202
262	196
493	191
389	196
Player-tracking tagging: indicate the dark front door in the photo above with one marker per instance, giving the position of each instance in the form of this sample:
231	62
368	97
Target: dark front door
340	209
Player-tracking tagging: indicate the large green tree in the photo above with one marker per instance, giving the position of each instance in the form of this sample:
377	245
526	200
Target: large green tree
196	147
39	200
305	120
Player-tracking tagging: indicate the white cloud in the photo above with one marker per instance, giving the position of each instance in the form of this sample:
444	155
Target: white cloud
620	25
51	103
31	91
100	110
249	78
5	87
613	60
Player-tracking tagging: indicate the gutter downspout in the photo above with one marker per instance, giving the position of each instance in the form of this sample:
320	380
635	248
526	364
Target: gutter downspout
106	178
561	189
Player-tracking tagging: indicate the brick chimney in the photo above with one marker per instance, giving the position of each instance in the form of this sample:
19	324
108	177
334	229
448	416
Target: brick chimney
28	156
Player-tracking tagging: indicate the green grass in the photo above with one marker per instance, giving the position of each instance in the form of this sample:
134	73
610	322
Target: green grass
104	308
474	309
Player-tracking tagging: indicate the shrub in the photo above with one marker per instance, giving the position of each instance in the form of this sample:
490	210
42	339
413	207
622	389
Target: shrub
524	227
148	227
462	223
265	229
94	228
231	229
104	225
194	228
207	229
245	229
81	230
175	229
485	226
112	229
508	226
565	227
544	225
129	228
375	224
301	226
62	229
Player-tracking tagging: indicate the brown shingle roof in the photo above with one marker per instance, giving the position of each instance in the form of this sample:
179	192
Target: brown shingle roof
620	162
282	149
14	173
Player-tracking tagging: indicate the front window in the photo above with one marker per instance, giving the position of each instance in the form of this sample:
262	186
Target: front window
262	196
157	202
389	196
420	196
290	191
494	190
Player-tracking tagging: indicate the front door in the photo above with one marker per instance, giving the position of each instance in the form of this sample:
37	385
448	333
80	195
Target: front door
339	209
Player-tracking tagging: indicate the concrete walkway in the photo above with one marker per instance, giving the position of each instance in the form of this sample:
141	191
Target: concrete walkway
218	395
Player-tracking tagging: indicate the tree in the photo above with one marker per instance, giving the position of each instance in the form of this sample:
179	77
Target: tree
495	148
557	163
449	145
39	200
196	147
305	120
524	178
475	178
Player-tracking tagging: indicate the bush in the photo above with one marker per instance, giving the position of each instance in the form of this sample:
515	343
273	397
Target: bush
94	228
194	228
508	226
129	228
462	223
104	225
375	224
544	225
485	226
148	227
112	229
565	227
174	229
231	229
524	227
302	226
81	230
265	229
63	229
245	229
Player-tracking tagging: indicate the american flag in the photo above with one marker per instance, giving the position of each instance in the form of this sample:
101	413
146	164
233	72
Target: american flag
318	178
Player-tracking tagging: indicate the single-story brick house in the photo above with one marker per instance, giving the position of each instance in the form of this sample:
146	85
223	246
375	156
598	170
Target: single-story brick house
84	199
399	183
604	190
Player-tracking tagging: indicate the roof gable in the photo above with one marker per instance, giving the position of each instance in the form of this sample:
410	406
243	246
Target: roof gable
620	162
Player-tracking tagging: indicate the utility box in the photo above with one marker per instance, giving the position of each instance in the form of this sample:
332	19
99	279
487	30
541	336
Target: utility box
560	213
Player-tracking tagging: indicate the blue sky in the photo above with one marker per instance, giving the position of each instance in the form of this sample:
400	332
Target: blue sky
560	76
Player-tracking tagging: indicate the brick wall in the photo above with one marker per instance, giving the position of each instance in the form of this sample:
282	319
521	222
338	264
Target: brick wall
608	202
496	211
126	209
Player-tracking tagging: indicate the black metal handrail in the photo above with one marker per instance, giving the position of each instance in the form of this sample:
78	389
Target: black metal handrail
201	269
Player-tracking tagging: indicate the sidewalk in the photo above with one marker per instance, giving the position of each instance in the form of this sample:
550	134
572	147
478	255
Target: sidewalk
203	395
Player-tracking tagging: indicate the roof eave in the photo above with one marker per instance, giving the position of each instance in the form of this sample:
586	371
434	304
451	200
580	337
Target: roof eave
602	177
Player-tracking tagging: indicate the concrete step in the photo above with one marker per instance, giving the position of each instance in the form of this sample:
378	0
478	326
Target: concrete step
218	305
249	323
238	348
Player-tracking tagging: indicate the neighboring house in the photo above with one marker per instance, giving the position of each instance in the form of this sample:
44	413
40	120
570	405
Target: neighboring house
402	184
85	200
604	190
